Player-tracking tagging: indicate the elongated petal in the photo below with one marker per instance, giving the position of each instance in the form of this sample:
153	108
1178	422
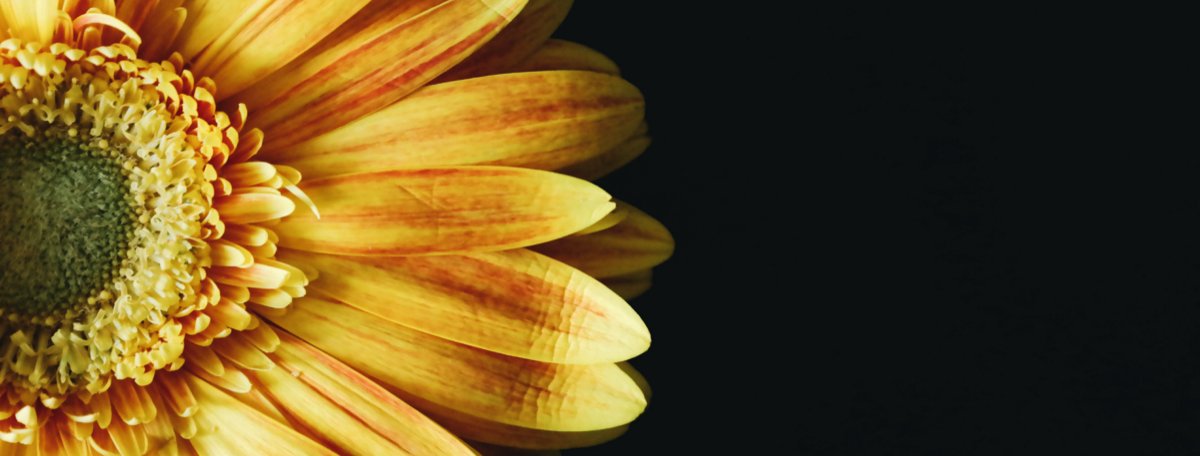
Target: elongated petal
544	120
345	408
161	29
483	430
441	210
565	55
252	207
616	216
321	93
631	285
515	302
227	426
638	242
206	19
609	161
518	40
266	37
564	397
372	21
257	275
637	378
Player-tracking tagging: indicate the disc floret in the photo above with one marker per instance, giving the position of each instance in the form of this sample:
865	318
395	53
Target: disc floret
109	188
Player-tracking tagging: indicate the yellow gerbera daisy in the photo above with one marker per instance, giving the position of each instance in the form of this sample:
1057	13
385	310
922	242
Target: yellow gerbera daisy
314	227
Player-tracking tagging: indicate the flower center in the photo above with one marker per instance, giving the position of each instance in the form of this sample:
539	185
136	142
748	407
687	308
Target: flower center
66	222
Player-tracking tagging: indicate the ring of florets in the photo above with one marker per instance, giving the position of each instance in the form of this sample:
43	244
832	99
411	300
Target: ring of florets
108	196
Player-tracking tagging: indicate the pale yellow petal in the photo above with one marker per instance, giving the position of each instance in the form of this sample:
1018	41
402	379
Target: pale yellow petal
517	41
557	55
545	120
441	211
631	285
266	37
514	302
484	430
638	242
611	160
561	397
227	426
321	93
348	410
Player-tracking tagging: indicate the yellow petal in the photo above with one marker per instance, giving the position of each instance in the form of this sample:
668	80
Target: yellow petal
161	31
129	439
609	161
483	430
441	210
561	397
206	19
514	302
638	242
248	173
518	40
266	37
631	285
252	207
612	219
565	55
319	93
544	120
343	407
373	20
241	352
228	254
227	426
247	235
637	378
232	379
228	313
257	275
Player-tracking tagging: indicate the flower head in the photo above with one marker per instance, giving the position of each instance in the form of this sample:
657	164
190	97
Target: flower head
314	227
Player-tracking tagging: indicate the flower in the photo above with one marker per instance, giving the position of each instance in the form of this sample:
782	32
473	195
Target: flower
314	227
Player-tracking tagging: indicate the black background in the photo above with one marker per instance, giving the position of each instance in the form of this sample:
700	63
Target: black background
688	179
934	230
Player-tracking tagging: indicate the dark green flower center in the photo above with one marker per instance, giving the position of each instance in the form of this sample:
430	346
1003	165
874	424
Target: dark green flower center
66	220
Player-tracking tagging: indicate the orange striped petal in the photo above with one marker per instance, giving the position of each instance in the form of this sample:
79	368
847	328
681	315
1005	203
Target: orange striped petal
319	93
483	430
565	55
441	210
544	120
631	285
560	397
266	37
517	41
344	408
638	242
607	162
514	302
373	20
228	426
